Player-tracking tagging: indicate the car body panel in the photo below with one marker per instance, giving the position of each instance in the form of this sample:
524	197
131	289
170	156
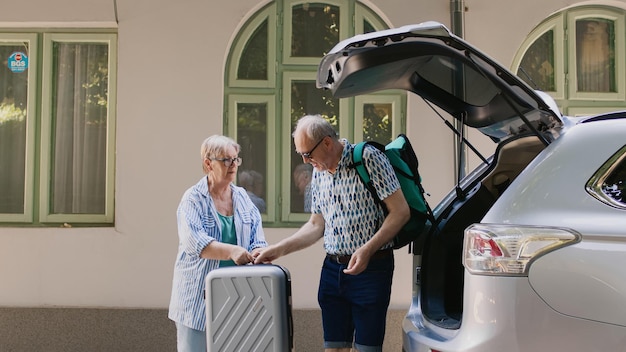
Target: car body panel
490	324
586	273
544	179
588	287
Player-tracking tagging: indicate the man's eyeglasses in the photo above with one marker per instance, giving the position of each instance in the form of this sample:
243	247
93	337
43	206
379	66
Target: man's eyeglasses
228	162
308	155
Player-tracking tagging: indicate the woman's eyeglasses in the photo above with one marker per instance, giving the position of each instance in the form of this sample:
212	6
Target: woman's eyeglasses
228	162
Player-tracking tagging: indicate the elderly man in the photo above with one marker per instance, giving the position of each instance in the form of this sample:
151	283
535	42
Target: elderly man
355	282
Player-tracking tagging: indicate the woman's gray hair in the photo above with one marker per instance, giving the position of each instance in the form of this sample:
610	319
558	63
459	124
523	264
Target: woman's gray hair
314	127
214	147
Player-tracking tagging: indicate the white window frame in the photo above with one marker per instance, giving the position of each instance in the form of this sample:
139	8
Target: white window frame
272	143
362	13
288	78
283	70
555	25
344	24
45	214
31	118
564	24
268	14
588	111
620	57
396	118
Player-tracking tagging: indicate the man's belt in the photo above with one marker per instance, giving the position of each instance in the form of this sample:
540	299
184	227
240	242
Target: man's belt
345	258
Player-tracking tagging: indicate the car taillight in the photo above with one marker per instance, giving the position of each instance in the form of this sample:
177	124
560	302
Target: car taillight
508	250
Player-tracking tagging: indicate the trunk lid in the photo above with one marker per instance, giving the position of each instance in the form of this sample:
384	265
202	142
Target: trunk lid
428	60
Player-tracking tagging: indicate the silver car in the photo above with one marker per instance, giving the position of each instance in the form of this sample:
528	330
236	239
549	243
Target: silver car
528	251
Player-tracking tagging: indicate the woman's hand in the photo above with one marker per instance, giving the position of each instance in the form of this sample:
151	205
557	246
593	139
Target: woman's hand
241	256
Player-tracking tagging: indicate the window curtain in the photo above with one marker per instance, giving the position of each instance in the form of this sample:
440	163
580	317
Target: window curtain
594	64
80	119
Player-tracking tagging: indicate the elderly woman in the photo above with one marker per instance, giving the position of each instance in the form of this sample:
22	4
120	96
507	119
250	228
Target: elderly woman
218	225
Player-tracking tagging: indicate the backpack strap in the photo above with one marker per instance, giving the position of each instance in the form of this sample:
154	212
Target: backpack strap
357	162
359	165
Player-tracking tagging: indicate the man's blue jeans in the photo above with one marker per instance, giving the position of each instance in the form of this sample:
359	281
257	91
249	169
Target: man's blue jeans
354	307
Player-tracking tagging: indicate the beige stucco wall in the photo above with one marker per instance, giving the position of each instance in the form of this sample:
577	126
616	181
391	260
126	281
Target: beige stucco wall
171	61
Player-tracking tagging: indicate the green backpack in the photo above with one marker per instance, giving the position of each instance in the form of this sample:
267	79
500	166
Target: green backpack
405	164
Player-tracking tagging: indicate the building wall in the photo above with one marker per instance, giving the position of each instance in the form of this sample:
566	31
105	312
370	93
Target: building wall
171	60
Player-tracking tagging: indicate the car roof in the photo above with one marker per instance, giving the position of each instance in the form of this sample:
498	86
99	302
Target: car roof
428	60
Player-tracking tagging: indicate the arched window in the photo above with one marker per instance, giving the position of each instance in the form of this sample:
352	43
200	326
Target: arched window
578	56
270	84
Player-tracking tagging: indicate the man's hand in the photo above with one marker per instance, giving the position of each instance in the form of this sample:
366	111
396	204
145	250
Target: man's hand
358	262
266	255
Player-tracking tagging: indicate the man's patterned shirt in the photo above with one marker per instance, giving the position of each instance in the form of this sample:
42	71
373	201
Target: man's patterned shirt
351	215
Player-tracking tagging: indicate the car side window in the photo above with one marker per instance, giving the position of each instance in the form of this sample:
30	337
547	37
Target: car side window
614	186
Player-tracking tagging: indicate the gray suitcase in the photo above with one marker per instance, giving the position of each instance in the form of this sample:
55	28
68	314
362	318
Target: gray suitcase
248	308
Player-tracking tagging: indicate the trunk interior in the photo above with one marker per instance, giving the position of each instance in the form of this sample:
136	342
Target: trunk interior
440	278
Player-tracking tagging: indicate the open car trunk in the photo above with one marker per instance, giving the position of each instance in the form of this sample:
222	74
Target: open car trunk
427	60
440	272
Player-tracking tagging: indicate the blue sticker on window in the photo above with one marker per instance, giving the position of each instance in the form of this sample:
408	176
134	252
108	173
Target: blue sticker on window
18	62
